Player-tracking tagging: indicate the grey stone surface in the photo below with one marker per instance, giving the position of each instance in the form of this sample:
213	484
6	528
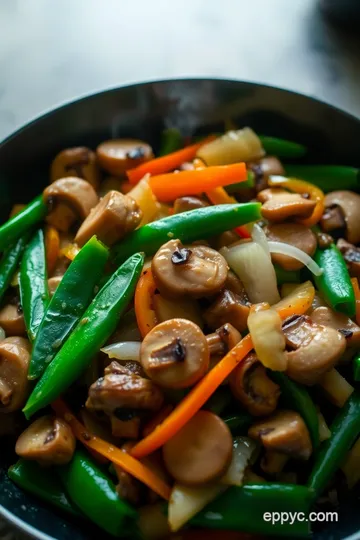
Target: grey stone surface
55	50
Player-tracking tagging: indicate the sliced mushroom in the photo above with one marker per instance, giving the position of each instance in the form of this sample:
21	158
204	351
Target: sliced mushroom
118	155
122	389
53	284
324	240
70	193
127	426
48	440
351	255
184	204
201	451
250	385
338	321
128	488
285	432
273	462
12	320
294	234
316	349
61	216
228	307
342	208
223	339
14	363
111	219
235	285
175	354
79	161
225	239
193	271
263	168
279	205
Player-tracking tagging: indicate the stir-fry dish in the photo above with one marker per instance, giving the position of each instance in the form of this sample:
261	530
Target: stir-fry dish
180	335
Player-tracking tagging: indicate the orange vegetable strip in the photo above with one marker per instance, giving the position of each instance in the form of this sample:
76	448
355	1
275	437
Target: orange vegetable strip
70	251
166	163
300	186
112	453
144	312
204	389
52	247
356	288
168	187
157	419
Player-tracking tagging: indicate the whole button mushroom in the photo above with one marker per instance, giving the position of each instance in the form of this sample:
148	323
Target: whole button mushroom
342	208
296	235
116	156
67	198
14	363
111	219
191	271
48	440
175	354
79	161
201	451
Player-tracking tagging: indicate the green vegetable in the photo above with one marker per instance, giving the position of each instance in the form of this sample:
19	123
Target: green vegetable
42	483
171	140
296	397
356	368
286	276
34	290
326	177
238	423
187	226
282	148
251	507
334	284
239	186
344	432
96	326
94	493
69	302
18	225
9	263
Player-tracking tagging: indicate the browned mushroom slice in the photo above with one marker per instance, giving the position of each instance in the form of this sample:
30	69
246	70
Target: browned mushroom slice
273	462
111	219
48	440
126	425
184	204
279	205
175	354
351	255
12	320
340	322
324	240
79	161
285	432
128	488
342	208
194	271
122	389
250	384
201	451
263	168
235	285
316	349
118	155
225	239
14	363
223	339
70	194
294	234
53	284
227	308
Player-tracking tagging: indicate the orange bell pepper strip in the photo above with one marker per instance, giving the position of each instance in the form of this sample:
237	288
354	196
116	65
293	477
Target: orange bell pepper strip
168	187
166	163
70	251
112	453
356	288
196	398
52	247
144	312
300	186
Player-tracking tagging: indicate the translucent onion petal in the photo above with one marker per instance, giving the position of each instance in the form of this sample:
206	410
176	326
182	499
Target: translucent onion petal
259	237
243	450
296	253
123	350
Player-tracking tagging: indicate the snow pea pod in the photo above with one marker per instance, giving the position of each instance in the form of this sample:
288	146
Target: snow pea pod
19	224
9	263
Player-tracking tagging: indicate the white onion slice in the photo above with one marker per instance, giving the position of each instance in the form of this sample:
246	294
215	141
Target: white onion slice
243	450
259	237
123	350
291	251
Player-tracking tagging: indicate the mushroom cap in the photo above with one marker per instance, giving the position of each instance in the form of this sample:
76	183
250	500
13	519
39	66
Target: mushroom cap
175	354
118	155
294	234
284	205
48	440
75	192
14	363
194	270
78	161
349	203
327	317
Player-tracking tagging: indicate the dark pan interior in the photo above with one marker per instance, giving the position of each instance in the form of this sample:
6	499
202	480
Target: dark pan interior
194	106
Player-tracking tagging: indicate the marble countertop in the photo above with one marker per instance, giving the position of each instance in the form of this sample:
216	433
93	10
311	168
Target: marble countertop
54	51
